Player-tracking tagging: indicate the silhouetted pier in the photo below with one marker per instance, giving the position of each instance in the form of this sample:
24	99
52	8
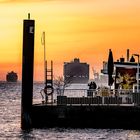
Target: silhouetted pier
86	112
92	112
106	111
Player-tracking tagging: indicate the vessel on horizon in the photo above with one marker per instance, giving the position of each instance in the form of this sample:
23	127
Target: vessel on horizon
11	77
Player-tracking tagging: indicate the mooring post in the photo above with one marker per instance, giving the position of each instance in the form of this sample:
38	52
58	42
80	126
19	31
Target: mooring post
27	73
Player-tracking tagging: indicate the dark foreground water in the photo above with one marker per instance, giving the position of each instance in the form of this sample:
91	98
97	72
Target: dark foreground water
10	99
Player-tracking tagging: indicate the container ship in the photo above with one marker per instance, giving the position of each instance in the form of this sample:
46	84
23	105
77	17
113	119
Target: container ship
11	77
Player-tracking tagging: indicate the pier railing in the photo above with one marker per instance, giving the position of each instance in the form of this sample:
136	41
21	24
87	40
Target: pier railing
93	93
64	100
104	97
94	97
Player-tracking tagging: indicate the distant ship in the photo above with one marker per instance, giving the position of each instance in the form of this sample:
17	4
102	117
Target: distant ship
76	72
11	77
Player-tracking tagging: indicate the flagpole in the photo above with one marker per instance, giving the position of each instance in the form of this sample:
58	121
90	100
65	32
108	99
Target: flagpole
44	44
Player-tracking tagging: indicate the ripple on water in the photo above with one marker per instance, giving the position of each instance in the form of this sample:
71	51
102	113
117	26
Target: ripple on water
10	100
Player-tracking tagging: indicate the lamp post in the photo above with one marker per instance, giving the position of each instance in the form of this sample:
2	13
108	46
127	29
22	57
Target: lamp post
137	72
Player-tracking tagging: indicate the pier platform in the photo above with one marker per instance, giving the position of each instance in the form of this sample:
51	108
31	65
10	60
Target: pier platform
86	116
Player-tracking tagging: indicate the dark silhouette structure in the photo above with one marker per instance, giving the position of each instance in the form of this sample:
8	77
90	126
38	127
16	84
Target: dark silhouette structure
125	72
76	71
110	68
11	77
95	112
132	59
27	72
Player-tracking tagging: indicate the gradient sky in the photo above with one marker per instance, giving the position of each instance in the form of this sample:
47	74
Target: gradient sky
74	28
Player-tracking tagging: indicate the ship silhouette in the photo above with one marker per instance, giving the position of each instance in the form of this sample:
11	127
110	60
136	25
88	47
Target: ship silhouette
11	77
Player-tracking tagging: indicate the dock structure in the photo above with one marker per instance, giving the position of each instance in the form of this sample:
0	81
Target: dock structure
90	111
121	111
91	116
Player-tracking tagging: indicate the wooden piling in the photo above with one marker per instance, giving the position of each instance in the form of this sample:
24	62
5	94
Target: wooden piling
27	73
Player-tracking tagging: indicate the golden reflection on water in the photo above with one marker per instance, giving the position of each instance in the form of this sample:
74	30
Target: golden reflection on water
10	102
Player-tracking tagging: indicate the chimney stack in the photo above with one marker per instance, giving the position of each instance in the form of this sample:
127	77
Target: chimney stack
127	55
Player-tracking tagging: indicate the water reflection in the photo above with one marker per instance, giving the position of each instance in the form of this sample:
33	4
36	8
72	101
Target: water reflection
10	102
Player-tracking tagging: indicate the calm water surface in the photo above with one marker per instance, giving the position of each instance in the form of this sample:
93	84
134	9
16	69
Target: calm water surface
10	101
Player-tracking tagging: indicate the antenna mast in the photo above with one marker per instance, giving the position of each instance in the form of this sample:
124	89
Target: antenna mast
28	16
45	66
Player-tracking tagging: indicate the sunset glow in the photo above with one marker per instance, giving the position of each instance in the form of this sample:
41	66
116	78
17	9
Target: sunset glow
74	28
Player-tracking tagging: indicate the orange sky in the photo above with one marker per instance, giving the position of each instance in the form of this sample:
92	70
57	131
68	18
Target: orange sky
74	28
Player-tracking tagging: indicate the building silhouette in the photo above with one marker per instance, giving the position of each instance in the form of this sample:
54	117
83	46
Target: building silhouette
76	72
125	72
